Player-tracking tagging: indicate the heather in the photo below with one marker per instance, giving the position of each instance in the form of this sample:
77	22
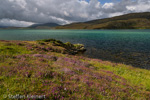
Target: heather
59	71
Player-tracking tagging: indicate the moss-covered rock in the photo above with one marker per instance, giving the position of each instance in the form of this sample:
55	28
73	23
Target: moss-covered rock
68	48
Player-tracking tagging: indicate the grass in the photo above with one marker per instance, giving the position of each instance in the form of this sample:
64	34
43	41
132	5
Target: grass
42	69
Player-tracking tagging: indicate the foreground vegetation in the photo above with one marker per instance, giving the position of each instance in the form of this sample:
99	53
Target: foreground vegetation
51	69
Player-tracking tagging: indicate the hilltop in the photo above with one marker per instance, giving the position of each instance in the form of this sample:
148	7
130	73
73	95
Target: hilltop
52	69
44	26
127	21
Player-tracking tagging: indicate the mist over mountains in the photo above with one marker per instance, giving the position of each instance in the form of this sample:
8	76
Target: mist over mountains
127	21
44	26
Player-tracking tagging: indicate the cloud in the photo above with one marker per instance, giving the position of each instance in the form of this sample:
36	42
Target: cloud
25	12
8	22
139	6
108	5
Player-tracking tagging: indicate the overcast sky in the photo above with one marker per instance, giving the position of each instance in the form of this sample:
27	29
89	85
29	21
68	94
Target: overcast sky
27	12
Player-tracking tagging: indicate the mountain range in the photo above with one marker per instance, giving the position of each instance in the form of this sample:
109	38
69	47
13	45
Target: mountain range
44	26
127	21
3	26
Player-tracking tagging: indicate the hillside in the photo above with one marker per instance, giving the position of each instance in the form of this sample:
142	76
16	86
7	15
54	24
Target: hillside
128	21
44	26
5	27
52	70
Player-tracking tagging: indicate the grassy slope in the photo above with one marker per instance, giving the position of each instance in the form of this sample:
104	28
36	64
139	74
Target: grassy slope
38	67
128	21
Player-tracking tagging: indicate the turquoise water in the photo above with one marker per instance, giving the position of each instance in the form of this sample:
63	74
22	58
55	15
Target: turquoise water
125	46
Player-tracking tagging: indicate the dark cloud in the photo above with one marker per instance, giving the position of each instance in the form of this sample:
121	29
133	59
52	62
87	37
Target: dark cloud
25	12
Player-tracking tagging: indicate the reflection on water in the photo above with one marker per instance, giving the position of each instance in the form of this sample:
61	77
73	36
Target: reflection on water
126	46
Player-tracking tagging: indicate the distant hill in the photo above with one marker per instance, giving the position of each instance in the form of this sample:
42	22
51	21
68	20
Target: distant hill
128	21
4	26
43	26
12	27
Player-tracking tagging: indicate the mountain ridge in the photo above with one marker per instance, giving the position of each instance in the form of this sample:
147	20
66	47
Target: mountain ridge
45	25
127	21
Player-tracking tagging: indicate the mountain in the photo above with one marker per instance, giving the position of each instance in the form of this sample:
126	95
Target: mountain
4	26
127	21
44	26
11	27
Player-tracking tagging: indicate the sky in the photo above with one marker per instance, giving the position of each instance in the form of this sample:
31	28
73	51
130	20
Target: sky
105	1
23	13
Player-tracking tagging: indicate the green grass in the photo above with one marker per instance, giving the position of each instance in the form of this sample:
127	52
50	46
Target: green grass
135	76
33	68
12	49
